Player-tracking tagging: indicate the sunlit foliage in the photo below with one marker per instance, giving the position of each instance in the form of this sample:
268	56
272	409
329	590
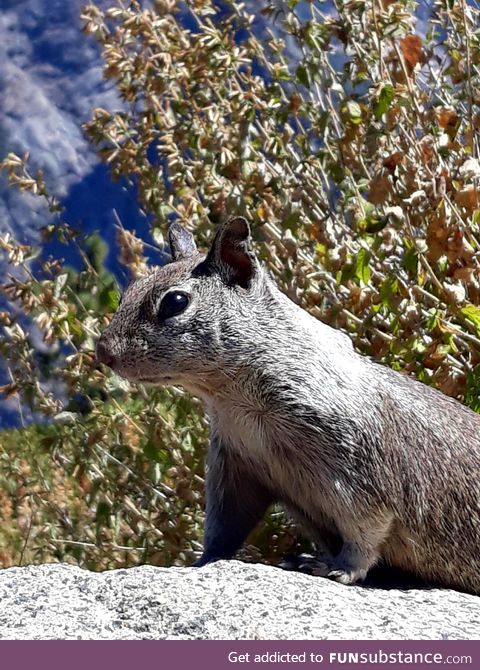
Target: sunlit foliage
349	139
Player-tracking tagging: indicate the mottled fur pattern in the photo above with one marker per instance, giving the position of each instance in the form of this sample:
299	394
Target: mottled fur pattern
373	464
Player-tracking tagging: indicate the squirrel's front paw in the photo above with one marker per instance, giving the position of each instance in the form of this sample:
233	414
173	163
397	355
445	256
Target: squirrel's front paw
310	565
350	576
324	565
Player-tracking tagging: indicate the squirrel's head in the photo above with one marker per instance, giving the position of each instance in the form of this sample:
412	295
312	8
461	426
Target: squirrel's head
179	323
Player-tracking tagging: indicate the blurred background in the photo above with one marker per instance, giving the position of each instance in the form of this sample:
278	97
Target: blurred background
348	134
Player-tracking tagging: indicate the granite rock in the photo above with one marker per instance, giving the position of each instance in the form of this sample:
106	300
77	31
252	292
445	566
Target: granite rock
226	600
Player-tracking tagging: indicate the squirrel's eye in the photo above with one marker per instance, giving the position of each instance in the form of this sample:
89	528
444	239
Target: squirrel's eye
173	303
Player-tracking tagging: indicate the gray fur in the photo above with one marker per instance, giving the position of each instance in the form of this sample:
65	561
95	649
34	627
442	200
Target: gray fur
375	465
182	244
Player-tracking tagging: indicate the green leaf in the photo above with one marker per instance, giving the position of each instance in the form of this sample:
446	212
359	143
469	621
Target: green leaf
472	397
388	289
418	346
336	172
354	111
152	452
302	76
410	260
472	313
291	221
431	321
448	339
373	223
109	298
362	270
164	210
321	123
102	516
283	75
385	98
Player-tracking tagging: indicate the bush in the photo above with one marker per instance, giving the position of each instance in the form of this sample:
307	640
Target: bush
348	140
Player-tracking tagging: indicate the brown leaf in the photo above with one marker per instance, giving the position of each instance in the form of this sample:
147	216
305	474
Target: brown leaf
437	236
411	47
434	356
468	197
459	248
394	159
233	170
380	189
450	381
464	274
447	118
295	102
427	149
360	298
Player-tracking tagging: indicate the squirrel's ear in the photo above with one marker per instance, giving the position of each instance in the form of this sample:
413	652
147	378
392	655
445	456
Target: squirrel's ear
182	244
231	253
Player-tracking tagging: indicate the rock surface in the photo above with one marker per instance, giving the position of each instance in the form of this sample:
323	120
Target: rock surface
226	600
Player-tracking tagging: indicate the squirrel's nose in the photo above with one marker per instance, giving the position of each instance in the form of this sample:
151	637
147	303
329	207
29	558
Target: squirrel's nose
103	353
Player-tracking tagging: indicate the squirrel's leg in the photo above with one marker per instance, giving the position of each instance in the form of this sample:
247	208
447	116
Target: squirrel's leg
235	503
361	548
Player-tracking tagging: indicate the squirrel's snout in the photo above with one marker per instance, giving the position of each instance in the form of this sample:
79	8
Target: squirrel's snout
103	353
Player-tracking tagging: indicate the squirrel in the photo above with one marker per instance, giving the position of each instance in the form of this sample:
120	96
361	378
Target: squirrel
374	465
